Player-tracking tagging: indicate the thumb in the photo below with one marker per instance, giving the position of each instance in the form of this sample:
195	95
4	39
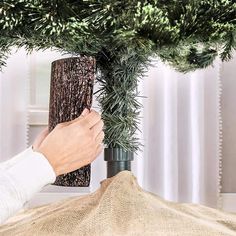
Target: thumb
39	139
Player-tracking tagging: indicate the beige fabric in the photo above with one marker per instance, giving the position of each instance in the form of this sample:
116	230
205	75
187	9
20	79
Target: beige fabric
121	207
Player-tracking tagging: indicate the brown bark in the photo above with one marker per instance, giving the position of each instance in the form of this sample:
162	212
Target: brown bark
71	91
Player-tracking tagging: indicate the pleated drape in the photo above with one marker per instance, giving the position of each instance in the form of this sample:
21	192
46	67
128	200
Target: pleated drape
181	127
14	93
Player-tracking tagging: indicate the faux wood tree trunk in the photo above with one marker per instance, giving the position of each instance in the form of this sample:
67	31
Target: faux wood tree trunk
71	91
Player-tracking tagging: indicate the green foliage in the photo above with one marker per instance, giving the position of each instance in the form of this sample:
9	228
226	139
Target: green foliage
118	95
122	35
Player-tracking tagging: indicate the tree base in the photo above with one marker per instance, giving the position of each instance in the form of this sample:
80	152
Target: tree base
117	160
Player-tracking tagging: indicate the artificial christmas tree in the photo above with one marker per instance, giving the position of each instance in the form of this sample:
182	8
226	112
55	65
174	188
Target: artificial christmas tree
122	36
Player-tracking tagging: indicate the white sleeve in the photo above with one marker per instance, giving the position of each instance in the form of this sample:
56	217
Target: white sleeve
20	178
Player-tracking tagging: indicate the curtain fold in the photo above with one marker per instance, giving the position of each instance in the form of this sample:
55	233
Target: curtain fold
13	105
181	136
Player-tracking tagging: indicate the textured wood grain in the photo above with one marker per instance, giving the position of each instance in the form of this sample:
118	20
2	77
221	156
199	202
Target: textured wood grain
71	91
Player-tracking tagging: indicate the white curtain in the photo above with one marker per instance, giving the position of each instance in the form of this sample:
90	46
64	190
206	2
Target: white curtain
13	106
181	135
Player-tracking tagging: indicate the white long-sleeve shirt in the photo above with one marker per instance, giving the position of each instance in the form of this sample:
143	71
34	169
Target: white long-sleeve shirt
20	178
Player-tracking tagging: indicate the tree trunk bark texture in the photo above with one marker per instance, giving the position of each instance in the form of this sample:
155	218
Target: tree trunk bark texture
71	91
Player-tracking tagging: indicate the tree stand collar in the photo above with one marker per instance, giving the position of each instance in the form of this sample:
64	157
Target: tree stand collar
117	160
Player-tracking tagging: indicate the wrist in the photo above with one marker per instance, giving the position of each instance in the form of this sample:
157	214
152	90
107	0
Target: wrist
44	153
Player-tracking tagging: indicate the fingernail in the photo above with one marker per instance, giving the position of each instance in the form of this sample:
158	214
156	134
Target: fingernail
85	112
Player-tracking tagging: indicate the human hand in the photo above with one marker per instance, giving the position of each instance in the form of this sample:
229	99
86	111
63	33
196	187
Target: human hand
74	144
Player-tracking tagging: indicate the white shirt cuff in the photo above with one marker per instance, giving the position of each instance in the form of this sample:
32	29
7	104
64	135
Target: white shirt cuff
30	172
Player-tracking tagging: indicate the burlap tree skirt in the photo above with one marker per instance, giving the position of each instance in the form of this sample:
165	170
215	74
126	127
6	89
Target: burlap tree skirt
121	207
